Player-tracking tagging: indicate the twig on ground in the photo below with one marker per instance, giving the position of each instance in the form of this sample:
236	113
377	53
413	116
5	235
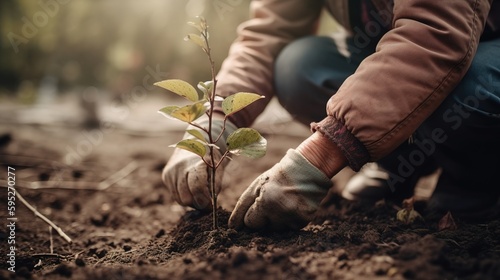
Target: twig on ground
103	234
79	185
51	240
41	216
38	264
48	255
63	185
129	168
122	173
27	161
390	244
78	254
128	252
450	240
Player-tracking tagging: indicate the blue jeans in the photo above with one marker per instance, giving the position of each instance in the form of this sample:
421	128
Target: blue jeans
309	70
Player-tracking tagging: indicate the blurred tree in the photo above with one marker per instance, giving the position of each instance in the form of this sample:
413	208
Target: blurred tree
108	44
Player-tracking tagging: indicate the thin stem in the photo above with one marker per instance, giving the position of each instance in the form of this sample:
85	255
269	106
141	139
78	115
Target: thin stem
214	198
224	156
200	127
206	162
223	129
213	166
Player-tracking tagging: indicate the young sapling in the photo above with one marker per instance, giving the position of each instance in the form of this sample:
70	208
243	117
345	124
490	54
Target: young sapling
408	214
243	141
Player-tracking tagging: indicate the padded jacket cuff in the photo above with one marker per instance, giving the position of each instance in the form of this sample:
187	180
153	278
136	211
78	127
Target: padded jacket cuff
355	152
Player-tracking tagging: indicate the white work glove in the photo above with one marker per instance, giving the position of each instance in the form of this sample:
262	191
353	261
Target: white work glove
186	175
284	197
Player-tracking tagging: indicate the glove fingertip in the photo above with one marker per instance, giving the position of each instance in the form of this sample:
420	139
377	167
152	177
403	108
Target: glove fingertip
237	218
201	202
255	220
235	222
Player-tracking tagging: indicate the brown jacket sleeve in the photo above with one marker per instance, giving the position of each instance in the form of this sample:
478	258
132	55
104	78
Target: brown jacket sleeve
249	65
416	65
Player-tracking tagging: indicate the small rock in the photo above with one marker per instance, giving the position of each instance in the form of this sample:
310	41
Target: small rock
44	176
160	233
77	174
80	262
63	270
392	271
99	219
5	139
141	261
101	253
342	255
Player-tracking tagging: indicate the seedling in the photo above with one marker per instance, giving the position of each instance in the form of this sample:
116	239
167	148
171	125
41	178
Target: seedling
243	141
408	214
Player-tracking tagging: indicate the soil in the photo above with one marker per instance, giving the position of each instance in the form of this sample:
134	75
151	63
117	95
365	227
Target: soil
130	228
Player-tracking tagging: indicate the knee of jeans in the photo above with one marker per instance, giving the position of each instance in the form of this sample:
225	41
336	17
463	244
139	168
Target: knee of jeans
479	90
294	63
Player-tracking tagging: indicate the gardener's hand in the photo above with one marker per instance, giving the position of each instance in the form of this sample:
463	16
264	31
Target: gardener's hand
288	195
186	176
284	197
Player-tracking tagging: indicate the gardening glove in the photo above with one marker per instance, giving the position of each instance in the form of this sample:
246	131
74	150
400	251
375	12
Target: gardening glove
186	175
284	197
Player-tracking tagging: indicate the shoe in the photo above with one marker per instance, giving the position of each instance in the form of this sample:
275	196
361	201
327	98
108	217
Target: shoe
371	183
374	183
474	203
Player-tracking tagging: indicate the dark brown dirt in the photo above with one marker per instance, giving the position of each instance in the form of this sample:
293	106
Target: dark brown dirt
133	230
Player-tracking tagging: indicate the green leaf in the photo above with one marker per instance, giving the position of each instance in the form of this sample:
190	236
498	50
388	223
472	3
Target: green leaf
238	101
196	133
247	142
167	111
192	145
186	113
181	88
197	39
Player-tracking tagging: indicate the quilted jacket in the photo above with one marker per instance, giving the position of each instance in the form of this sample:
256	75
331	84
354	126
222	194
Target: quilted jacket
426	48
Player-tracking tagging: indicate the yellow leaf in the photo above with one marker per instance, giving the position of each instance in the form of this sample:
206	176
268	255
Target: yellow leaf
186	113
193	146
181	88
238	101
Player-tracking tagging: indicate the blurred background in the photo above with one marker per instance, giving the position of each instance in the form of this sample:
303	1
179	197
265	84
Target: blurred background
55	47
88	53
106	44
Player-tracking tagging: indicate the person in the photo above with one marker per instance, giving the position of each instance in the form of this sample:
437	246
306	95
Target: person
423	70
